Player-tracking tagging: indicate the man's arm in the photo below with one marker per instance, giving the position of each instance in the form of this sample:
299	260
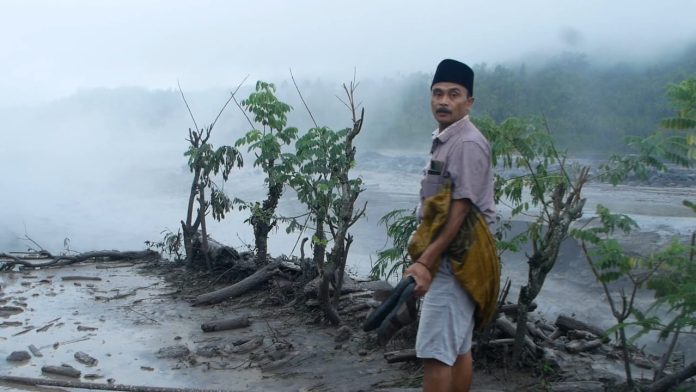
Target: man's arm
420	269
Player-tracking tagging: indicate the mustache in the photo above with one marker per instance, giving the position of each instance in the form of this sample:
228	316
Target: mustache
443	110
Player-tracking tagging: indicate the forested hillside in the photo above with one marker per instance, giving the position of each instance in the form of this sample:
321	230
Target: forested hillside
589	107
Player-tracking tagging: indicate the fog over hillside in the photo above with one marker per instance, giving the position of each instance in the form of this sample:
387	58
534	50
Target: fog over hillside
91	109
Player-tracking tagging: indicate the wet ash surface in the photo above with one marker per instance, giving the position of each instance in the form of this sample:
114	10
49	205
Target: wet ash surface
134	324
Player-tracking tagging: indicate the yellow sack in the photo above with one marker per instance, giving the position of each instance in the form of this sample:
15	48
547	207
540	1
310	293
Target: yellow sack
475	261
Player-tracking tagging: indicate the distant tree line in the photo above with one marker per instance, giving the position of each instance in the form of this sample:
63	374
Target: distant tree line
589	107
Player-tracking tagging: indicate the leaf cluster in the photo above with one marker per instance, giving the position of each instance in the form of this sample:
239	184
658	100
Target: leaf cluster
171	244
400	224
676	143
318	159
271	114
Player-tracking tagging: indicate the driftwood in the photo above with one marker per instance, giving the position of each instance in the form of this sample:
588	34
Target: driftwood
677	378
501	342
576	386
85	358
575	334
509	328
249	346
537	332
353	309
7	261
218	253
511	309
221	325
566	324
96	386
69	278
250	282
576	346
400	356
67	371
34	350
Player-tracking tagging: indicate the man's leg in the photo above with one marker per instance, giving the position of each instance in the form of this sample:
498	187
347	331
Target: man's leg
437	376
462	373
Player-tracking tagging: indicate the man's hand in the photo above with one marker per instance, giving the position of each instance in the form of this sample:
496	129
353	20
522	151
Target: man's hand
422	276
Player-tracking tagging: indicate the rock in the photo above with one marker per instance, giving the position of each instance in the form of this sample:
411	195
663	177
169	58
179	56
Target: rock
7	311
85	358
19	356
178	351
343	334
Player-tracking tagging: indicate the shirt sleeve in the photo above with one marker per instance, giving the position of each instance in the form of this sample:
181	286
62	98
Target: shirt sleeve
469	169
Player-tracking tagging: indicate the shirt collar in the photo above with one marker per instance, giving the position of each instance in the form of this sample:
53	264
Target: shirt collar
449	131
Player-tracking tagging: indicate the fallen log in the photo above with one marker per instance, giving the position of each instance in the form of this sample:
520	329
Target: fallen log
250	282
400	356
249	346
34	350
566	324
353	309
677	378
576	386
511	309
221	325
575	334
96	386
104	255
576	346
67	371
69	278
537	332
509	328
501	342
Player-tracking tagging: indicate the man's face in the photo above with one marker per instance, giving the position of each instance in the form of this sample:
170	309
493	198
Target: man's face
450	102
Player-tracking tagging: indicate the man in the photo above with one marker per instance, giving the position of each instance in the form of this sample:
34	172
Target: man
462	154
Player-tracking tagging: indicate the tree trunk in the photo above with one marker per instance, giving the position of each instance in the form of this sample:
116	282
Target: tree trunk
320	244
239	288
202	210
263	223
341	270
626	357
187	227
546	247
660	372
324	301
521	329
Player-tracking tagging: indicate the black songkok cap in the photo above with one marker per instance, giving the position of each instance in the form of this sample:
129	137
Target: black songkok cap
455	72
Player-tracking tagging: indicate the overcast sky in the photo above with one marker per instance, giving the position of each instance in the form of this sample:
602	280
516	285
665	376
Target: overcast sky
52	48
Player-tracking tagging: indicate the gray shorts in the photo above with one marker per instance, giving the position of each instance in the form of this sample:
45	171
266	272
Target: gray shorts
446	323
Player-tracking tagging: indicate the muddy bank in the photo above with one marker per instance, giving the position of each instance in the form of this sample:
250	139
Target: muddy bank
134	324
141	329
